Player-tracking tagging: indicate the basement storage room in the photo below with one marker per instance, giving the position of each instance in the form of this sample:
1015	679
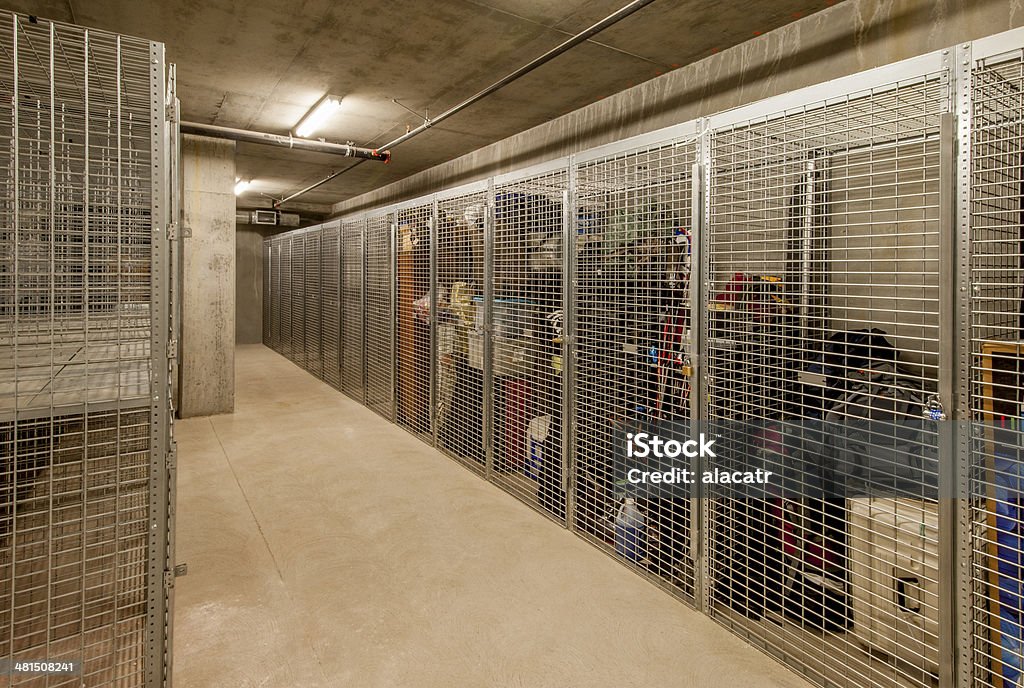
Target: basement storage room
607	343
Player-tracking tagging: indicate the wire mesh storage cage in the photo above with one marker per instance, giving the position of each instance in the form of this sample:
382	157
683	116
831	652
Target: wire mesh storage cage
84	325
352	354
997	280
635	350
457	318
268	288
525	363
298	305
272	291
822	355
828	283
379	315
285	338
314	298
330	285
413	296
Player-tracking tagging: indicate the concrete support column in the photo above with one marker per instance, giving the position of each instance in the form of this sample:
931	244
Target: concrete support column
249	289
208	286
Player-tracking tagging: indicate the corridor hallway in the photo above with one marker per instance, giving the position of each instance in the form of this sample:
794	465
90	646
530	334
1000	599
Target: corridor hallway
328	547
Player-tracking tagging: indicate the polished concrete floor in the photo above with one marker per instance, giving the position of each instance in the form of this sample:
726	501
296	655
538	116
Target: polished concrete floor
327	547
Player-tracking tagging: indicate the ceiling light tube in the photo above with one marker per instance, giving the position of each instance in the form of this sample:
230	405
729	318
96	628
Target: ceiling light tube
241	186
315	118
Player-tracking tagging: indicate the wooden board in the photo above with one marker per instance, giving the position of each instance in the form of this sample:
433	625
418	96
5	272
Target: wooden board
1000	392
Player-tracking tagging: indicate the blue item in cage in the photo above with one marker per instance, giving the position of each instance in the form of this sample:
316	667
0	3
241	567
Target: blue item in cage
1009	472
537	435
630	540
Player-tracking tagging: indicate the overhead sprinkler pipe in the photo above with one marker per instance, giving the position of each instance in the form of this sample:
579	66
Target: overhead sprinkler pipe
563	47
265	138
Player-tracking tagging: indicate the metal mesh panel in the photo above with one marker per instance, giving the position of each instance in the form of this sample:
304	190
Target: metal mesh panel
997	276
273	296
314	296
286	339
634	349
379	320
526	360
330	286
459	367
268	289
74	548
412	332
352	309
77	286
298	242
824	224
75	249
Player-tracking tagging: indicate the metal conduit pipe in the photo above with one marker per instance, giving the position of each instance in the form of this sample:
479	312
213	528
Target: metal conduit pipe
561	48
332	175
269	139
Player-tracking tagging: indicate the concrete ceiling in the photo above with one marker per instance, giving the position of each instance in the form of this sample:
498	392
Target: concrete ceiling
261	64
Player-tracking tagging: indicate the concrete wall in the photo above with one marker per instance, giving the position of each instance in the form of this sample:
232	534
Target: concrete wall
852	36
249	282
208	301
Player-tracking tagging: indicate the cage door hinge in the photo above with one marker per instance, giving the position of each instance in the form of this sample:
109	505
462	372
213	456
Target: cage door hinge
178	571
172	348
172	112
172	231
172	458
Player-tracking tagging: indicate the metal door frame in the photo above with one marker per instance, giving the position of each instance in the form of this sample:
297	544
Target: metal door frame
162	449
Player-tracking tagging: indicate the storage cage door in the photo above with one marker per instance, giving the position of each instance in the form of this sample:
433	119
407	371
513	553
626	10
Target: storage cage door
266	290
352	309
330	286
272	293
822	354
299	299
314	303
412	328
84	313
277	303
285	341
459	365
636	353
997	294
379	315
526	341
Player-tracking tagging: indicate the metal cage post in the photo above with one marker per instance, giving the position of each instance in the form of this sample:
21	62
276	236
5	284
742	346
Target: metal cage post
697	296
961	401
703	244
161	449
487	335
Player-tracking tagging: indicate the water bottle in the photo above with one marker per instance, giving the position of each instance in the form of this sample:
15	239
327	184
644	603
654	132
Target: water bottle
629	531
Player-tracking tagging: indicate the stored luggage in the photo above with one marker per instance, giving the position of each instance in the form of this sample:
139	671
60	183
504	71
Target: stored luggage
894	577
878	438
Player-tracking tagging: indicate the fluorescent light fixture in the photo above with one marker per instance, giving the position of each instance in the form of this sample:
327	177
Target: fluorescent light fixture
241	186
317	116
